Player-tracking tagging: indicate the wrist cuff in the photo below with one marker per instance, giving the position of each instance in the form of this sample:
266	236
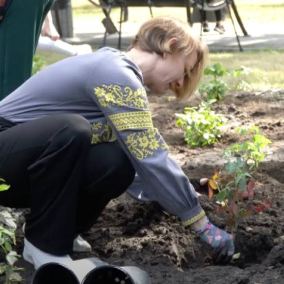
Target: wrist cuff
203	228
193	219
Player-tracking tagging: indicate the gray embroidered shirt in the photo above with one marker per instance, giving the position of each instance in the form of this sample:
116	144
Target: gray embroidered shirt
107	89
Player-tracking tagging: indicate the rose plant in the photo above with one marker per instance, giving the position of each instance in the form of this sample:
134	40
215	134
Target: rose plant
235	183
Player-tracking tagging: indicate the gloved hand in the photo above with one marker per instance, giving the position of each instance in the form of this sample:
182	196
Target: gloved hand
219	240
200	185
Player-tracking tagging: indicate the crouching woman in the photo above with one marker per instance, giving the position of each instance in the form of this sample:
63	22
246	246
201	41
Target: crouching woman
74	135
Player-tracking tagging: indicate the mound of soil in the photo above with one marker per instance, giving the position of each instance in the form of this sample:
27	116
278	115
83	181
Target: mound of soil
144	235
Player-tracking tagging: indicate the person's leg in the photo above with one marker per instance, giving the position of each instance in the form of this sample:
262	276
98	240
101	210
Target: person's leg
218	14
107	174
19	33
42	160
219	23
204	22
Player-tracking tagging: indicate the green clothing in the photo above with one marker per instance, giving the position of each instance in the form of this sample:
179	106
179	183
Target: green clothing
19	33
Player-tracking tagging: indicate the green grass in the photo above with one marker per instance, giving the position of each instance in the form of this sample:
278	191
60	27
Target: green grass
267	68
262	13
50	57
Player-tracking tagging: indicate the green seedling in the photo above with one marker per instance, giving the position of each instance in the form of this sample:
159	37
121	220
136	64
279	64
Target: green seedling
215	89
201	124
38	64
241	83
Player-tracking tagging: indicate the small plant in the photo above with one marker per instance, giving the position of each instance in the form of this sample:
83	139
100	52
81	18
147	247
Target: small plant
7	239
236	183
38	64
251	151
201	125
241	83
215	89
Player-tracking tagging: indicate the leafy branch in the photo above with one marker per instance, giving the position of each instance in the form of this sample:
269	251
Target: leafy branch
7	240
235	184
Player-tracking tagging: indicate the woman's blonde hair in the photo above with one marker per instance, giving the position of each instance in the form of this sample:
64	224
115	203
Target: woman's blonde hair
155	35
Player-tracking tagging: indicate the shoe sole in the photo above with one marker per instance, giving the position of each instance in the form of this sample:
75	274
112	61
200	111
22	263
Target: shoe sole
219	31
27	257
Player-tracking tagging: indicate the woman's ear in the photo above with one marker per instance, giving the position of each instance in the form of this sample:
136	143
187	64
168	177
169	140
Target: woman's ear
168	46
170	43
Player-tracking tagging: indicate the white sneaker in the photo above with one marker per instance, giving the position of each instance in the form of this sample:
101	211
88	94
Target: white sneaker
79	244
37	257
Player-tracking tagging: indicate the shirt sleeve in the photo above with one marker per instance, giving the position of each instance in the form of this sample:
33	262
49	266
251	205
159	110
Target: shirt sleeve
140	192
125	106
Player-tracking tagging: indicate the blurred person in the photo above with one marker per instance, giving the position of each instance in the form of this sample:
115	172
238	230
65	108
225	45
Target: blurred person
20	28
219	23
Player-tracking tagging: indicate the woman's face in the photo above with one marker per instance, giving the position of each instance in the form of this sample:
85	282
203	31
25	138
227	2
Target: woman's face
170	71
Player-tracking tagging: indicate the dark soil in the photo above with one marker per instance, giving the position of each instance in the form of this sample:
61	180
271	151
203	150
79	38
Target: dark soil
142	234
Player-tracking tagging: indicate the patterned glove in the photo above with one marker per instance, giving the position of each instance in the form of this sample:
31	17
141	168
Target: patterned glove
219	240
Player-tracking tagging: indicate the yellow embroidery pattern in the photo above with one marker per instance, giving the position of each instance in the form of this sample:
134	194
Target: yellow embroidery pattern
105	133
97	126
194	219
114	95
144	143
132	120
